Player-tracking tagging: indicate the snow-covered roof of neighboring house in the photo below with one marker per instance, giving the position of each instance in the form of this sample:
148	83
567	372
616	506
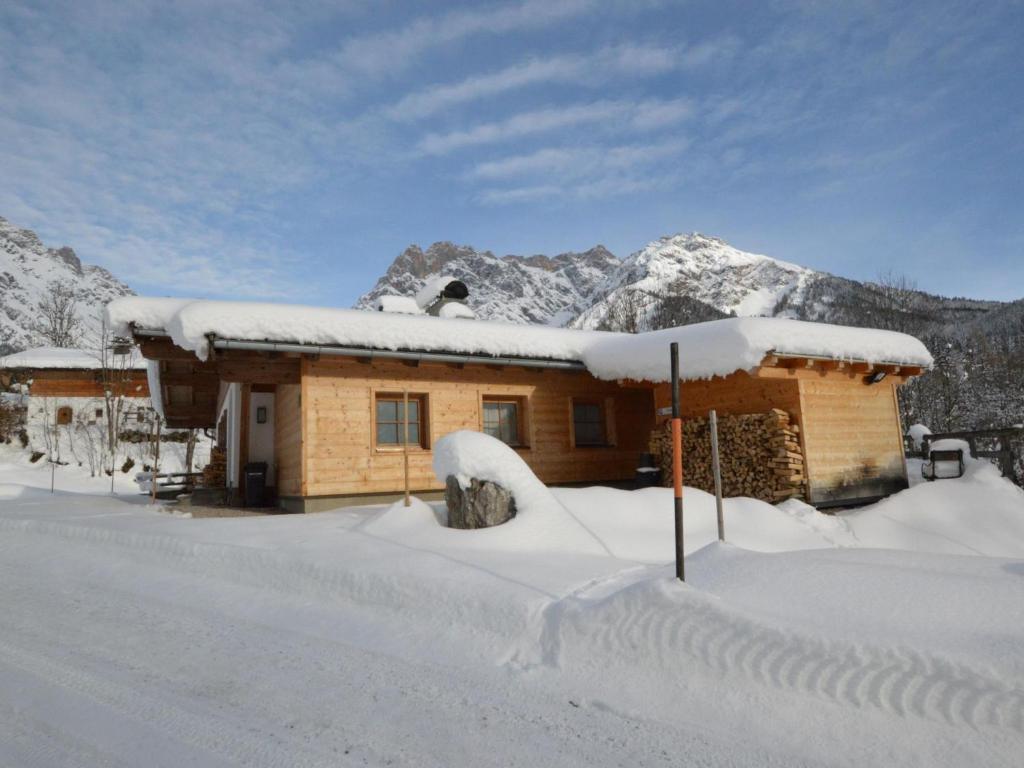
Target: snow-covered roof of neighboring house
61	358
716	348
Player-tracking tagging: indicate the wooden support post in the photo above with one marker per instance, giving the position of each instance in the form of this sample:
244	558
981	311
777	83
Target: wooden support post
677	462
405	443
716	470
156	461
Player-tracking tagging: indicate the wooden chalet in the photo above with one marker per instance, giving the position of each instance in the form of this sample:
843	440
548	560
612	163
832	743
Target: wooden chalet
71	383
318	394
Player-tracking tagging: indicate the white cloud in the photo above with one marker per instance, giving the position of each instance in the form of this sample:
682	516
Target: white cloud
390	51
590	69
611	185
619	115
578	161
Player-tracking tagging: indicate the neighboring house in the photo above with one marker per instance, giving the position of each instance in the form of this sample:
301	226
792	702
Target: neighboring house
66	394
319	394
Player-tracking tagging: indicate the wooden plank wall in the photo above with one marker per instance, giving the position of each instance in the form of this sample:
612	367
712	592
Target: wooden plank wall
338	409
849	431
737	393
853	442
288	439
57	383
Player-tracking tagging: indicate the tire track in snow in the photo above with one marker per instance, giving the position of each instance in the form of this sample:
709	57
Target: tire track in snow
655	622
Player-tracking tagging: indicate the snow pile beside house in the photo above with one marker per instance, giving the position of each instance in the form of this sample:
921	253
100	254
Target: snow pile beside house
720	347
980	513
716	348
541	521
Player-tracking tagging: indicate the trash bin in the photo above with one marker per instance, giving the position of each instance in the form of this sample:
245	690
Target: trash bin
254	476
647	475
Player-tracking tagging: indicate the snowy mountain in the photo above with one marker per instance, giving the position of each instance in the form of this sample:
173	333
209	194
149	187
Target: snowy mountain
28	268
517	289
703	269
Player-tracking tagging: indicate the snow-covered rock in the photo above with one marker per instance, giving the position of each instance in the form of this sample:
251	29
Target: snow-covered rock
27	268
541	521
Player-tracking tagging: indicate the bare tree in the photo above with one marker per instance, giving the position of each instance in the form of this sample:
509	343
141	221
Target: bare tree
57	323
897	301
117	357
626	313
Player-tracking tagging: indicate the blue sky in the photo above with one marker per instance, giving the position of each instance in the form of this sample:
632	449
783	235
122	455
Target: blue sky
291	151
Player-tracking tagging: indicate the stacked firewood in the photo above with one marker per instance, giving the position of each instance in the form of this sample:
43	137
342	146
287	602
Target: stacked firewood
759	455
215	474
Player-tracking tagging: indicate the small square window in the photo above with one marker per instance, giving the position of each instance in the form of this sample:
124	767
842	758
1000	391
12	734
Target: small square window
99	413
503	419
390	418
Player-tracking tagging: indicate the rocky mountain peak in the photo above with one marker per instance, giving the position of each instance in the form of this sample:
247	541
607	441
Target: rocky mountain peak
521	289
27	268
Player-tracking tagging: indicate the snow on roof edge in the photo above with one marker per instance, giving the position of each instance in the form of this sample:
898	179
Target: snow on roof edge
58	358
715	348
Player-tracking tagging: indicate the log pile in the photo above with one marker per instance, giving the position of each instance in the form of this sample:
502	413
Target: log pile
759	453
215	474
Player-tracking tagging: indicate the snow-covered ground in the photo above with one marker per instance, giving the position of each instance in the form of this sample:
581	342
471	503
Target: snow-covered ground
893	635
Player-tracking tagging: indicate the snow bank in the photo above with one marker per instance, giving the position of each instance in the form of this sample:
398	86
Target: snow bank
707	349
541	521
721	347
57	357
981	513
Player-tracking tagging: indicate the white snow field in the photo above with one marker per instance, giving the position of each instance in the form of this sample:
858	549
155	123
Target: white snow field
132	636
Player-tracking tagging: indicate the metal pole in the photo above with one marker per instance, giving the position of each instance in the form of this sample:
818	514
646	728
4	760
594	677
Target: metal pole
677	462
405	443
717	471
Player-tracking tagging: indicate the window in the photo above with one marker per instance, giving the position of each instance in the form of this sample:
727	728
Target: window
503	419
63	415
588	423
391	420
99	413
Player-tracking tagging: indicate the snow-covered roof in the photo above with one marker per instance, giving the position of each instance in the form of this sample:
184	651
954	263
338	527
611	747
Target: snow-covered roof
720	347
716	348
59	358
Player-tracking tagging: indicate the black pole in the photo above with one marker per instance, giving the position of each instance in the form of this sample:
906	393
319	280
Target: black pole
677	461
